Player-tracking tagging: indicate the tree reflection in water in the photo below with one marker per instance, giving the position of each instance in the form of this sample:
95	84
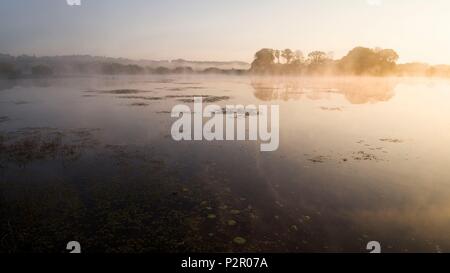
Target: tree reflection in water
355	90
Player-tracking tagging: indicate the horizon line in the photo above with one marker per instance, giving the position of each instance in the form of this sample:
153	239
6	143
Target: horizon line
175	59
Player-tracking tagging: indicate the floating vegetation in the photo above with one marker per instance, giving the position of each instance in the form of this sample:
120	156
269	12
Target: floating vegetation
206	98
238	112
391	140
162	81
319	159
195	87
211	99
119	91
362	155
184	96
139	104
187	83
341	158
212	216
32	144
239	240
235	211
331	109
140	97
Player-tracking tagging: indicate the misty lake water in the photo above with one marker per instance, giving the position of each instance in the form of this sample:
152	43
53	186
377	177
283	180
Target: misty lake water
91	159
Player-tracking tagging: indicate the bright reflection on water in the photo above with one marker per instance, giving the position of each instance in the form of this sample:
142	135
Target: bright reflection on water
91	159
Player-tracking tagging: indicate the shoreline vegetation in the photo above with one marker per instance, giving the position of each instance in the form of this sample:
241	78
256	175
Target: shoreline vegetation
360	61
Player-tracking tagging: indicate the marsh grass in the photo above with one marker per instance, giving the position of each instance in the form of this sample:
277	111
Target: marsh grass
119	91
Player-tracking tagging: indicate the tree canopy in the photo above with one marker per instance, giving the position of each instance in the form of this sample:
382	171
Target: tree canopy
358	61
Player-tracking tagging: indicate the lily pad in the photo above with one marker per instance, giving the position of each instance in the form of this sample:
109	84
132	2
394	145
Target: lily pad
212	216
239	240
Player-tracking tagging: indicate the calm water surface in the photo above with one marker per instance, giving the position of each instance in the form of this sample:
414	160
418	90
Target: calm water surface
92	160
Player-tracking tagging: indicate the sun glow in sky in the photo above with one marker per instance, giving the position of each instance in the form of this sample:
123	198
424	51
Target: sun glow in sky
419	30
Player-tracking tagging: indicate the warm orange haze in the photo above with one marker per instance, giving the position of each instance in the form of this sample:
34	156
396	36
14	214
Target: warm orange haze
360	61
95	159
224	30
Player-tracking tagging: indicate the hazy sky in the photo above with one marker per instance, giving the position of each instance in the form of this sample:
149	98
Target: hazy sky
224	30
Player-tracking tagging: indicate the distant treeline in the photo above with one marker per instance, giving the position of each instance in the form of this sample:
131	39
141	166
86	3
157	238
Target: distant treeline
115	69
33	66
9	70
360	61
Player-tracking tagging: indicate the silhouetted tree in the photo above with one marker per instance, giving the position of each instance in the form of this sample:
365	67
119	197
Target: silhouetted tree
387	60
361	60
288	55
264	61
8	70
317	57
